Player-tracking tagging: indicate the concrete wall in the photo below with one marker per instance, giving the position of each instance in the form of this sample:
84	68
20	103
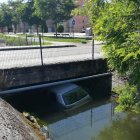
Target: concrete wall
99	87
54	72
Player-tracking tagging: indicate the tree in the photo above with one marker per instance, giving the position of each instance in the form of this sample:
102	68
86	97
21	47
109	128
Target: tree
28	15
57	10
5	16
117	23
15	7
1	20
92	9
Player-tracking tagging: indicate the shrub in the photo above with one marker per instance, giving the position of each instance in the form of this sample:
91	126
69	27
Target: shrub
60	29
129	98
45	29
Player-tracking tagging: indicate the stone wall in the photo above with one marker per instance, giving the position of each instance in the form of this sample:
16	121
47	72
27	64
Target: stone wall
12	126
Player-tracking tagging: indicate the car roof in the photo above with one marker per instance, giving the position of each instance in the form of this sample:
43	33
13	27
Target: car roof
63	88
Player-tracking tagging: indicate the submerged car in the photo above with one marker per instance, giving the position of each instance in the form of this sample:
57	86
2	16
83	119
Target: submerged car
70	95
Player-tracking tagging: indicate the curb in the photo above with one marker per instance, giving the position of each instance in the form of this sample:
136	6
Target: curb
35	47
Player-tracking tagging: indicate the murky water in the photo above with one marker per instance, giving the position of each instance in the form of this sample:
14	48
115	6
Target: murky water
122	128
82	126
97	123
93	121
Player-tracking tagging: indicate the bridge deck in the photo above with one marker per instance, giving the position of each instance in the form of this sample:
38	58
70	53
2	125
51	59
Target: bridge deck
25	58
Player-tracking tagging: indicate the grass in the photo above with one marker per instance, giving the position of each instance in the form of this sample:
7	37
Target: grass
20	41
60	39
64	39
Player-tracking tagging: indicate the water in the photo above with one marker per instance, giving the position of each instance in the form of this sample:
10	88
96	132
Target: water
93	121
82	126
122	128
97	123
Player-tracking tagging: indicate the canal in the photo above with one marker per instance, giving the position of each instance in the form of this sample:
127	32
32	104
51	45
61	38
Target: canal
95	120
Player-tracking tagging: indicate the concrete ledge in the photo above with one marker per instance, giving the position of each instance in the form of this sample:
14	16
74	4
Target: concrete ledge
53	72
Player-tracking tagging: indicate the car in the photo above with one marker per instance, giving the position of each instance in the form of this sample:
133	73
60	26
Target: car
70	95
83	30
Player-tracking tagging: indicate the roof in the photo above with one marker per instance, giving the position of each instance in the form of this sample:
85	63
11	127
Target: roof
63	88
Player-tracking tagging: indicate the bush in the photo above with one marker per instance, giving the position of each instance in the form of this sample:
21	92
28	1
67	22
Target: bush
60	29
129	98
45	29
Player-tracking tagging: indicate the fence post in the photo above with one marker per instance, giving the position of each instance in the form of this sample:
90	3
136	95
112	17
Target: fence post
34	39
93	44
40	49
26	39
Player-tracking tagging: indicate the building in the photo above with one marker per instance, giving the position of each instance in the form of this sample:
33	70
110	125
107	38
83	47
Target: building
81	22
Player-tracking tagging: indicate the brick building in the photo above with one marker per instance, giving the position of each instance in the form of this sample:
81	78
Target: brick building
81	22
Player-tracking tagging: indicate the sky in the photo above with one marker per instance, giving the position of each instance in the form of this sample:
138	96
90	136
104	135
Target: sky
1	1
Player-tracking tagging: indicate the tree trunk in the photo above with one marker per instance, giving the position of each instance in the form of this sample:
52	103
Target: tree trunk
56	29
42	30
24	28
8	29
43	34
15	26
37	29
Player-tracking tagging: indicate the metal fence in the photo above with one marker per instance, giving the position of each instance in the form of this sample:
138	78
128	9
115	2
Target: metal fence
24	56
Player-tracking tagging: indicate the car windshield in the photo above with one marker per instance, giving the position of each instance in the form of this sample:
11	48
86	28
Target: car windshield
74	96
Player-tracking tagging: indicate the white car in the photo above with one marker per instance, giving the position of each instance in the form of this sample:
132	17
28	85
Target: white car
70	95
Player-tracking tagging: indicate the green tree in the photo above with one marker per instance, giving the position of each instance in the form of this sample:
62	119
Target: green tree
5	16
15	8
117	23
57	10
28	14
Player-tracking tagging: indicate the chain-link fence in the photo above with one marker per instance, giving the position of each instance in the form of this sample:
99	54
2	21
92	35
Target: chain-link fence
30	56
18	40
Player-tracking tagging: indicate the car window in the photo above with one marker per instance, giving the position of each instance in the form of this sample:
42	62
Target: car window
74	96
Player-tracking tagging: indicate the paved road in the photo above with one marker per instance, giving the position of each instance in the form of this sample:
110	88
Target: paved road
24	58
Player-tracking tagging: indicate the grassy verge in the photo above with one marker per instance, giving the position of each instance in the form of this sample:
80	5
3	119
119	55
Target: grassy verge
64	39
61	39
19	41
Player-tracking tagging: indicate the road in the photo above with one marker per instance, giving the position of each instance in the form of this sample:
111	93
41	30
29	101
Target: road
25	58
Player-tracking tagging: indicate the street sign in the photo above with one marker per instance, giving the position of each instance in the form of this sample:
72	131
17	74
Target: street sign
73	22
